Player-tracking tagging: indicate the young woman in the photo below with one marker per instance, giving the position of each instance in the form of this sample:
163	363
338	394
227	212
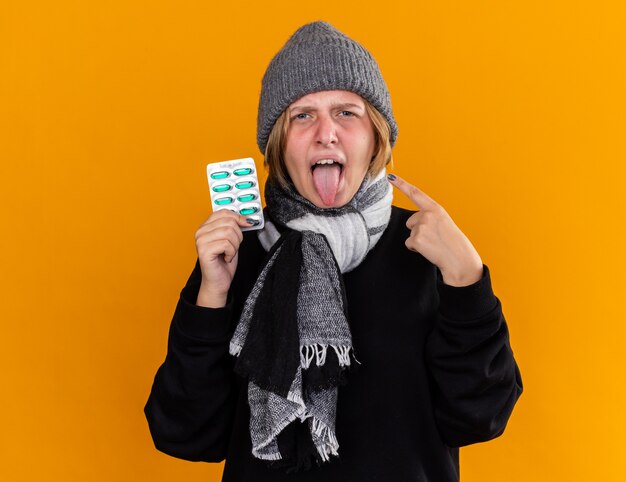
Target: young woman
349	340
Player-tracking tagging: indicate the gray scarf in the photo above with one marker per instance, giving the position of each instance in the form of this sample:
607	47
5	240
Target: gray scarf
293	340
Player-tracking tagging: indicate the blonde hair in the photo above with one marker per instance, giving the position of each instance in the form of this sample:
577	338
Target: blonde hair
278	137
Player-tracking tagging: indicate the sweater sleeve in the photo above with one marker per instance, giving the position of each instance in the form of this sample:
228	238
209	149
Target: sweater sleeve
191	404
476	379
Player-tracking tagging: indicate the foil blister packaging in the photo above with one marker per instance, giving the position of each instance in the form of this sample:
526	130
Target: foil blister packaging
234	185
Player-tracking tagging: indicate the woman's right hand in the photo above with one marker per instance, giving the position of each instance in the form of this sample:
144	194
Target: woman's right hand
217	243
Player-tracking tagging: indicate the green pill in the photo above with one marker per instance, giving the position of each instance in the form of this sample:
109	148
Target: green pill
221	188
246	198
248	211
219	175
223	201
244	171
244	185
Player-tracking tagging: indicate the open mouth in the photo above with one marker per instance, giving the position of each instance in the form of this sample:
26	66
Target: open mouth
326	162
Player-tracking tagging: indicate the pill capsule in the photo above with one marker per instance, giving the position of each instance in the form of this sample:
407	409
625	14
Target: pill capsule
221	188
248	211
243	171
223	201
246	198
244	185
219	175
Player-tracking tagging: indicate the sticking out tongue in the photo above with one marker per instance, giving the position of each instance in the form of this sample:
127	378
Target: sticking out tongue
326	181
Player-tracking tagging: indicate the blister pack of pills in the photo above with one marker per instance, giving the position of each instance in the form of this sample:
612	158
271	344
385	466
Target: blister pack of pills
234	185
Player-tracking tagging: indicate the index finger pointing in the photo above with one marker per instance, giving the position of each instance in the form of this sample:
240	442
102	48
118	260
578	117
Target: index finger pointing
419	197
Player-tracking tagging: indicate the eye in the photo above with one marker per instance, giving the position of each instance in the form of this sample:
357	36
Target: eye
346	113
301	115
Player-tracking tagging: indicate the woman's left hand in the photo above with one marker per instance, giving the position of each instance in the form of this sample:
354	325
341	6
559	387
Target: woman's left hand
435	236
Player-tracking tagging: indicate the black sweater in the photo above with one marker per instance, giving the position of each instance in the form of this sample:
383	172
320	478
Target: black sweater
437	372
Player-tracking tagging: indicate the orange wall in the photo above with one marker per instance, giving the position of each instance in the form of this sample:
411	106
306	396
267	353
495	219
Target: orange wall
511	115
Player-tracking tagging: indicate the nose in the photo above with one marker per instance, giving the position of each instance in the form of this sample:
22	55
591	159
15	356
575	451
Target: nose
326	131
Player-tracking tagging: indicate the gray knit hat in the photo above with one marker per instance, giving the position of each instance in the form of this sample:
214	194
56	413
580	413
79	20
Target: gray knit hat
319	57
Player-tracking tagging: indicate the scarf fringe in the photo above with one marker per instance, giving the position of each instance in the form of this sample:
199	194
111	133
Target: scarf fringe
317	352
314	351
343	354
326	443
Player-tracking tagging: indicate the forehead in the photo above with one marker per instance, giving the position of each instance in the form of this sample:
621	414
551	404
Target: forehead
329	97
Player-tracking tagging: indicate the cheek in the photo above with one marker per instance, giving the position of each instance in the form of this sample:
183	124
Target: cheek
295	149
295	166
290	157
365	154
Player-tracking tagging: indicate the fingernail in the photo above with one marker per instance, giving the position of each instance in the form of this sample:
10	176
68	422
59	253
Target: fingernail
391	177
254	222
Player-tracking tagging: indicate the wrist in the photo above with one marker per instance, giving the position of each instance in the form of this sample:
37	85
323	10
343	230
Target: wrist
462	277
209	298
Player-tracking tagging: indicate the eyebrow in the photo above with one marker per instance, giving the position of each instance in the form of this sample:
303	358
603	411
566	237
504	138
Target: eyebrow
340	105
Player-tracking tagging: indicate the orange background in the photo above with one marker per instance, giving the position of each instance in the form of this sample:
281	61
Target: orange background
511	115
